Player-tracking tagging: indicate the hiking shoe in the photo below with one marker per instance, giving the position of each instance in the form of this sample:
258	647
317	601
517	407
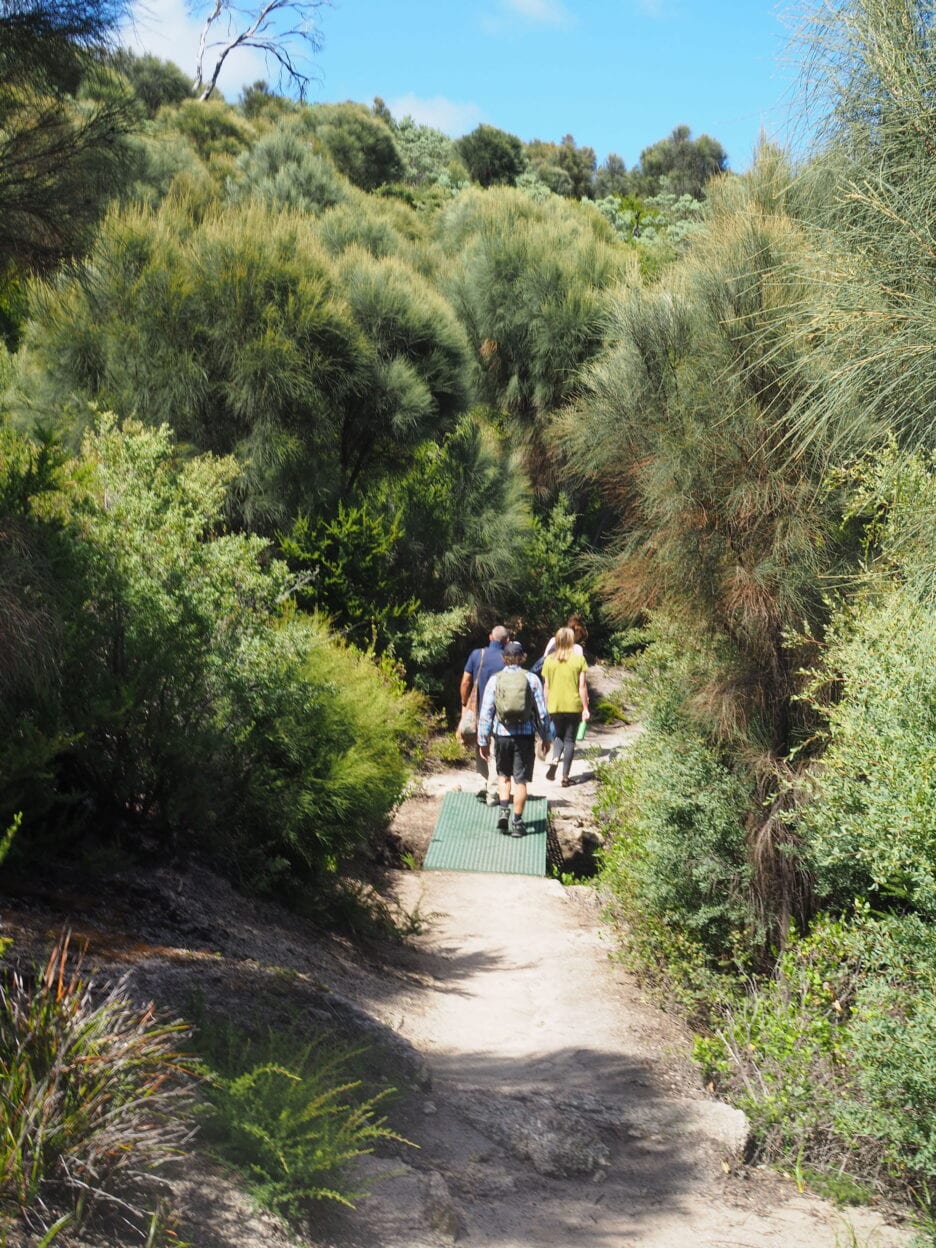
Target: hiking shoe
551	771
518	827
503	821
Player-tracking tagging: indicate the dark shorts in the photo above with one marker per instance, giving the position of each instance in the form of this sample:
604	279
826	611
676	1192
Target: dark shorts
514	757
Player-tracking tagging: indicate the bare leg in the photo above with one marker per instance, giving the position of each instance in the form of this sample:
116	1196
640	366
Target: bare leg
520	796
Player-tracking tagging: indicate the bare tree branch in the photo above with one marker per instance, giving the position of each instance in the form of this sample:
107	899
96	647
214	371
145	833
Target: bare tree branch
274	27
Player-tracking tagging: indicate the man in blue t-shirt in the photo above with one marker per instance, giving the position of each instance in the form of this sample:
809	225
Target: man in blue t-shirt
482	664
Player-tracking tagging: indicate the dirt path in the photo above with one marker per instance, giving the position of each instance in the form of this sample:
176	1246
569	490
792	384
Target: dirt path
563	1109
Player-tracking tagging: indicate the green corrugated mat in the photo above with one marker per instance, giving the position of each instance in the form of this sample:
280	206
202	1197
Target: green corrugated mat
466	838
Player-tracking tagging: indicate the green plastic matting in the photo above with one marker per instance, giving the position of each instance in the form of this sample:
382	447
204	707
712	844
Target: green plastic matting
466	838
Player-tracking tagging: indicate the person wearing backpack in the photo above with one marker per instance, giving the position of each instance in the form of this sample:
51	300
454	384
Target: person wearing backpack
513	713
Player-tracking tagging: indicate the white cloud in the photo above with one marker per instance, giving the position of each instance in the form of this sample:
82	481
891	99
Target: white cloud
447	115
167	29
651	8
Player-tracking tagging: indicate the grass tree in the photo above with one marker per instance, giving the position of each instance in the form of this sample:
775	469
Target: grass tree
868	74
728	529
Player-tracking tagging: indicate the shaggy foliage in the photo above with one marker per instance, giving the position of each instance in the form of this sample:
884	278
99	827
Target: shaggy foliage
282	168
319	373
730	527
529	283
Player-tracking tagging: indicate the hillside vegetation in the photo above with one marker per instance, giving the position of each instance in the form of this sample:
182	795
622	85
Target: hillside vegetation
297	400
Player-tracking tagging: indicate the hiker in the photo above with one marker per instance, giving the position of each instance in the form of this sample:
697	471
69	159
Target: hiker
481	665
513	713
577	624
566	700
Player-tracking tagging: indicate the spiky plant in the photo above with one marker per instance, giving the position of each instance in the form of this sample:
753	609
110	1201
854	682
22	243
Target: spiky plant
93	1092
869	190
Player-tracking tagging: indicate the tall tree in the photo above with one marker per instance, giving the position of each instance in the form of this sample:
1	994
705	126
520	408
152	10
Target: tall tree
731	530
680	164
612	177
493	157
565	168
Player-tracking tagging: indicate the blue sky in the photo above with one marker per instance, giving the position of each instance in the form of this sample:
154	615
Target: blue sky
617	74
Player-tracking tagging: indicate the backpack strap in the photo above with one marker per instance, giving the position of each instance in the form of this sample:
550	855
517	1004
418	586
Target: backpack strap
473	700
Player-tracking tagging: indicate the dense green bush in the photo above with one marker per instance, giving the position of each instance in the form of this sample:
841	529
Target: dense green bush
428	155
320	739
676	862
530	280
830	1056
283	168
215	129
869	821
493	157
347	570
870	824
185	702
465	510
554	581
360	144
321	373
155	82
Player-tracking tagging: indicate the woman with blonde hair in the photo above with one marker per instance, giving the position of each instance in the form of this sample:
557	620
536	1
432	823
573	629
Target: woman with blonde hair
566	699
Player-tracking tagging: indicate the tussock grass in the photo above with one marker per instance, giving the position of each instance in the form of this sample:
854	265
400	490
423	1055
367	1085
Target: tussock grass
94	1096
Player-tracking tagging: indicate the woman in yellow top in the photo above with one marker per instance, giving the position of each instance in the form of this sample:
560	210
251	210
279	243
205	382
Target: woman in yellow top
566	700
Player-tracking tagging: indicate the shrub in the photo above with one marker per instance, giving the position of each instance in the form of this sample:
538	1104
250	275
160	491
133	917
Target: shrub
188	701
360	144
93	1093
555	582
830	1057
676	857
346	567
780	1047
890	1042
285	171
323	374
870	827
318	741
